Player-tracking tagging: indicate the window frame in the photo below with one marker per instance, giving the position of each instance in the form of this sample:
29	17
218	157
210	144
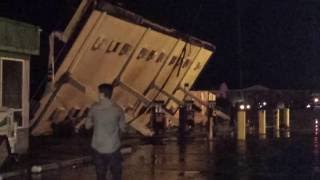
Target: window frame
24	86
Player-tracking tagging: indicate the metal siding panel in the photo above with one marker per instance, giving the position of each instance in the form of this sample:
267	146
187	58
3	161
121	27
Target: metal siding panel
140	73
197	67
89	63
165	72
97	66
191	76
94	20
175	80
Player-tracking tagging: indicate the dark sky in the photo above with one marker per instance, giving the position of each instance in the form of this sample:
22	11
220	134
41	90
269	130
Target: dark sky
275	43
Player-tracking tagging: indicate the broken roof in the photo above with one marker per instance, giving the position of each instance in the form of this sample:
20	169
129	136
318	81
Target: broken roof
139	20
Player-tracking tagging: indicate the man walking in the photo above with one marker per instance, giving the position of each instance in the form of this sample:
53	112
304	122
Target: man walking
107	120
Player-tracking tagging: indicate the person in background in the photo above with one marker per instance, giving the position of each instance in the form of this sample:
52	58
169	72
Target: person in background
107	120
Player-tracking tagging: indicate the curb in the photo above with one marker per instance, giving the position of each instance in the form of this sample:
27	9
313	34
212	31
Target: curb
62	164
37	169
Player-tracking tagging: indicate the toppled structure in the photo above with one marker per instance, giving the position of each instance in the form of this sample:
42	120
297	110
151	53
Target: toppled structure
145	62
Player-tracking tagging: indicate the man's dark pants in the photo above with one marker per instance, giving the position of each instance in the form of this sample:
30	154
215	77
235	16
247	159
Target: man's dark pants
105	162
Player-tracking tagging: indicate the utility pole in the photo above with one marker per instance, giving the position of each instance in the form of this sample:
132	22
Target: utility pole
239	43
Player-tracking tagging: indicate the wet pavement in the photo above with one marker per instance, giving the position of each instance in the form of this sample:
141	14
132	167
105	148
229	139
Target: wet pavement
294	157
285	155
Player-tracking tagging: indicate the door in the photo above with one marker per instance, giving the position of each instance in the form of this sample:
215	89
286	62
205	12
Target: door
12	87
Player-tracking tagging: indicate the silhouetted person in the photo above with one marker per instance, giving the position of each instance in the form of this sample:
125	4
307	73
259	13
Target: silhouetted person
107	120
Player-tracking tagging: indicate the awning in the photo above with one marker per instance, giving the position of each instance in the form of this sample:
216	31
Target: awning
18	37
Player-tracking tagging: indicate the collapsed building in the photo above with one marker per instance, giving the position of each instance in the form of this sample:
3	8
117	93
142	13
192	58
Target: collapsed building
143	60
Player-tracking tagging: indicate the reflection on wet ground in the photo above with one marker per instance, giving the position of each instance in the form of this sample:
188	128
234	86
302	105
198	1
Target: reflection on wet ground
296	157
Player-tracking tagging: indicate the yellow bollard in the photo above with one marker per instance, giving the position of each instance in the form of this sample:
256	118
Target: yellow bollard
262	122
286	118
277	120
241	125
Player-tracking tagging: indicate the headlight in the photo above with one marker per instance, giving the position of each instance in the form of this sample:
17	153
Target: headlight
316	100
242	107
248	106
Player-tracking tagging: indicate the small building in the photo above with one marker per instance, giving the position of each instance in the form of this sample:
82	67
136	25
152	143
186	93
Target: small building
18	42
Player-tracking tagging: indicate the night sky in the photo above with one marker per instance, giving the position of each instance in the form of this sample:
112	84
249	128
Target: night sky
275	43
